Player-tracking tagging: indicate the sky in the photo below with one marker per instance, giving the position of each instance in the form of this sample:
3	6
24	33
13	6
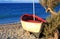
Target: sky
18	1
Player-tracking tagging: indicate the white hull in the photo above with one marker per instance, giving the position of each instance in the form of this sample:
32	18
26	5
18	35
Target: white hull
31	27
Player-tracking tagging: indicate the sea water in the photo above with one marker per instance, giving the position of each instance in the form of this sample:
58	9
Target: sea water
11	12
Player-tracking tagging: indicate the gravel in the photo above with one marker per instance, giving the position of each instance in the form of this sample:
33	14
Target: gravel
14	31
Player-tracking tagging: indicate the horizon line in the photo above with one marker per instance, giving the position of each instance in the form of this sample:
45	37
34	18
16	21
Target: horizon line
16	2
10	2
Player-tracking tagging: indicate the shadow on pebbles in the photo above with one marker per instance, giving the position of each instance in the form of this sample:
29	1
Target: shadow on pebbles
14	31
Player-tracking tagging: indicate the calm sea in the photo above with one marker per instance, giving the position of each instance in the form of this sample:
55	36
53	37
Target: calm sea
11	12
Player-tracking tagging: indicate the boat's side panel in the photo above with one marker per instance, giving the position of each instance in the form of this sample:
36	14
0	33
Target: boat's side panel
32	27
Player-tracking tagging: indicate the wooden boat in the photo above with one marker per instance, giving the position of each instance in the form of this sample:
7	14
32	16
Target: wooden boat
31	25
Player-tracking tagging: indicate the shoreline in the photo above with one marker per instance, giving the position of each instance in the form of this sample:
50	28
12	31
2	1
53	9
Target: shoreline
9	23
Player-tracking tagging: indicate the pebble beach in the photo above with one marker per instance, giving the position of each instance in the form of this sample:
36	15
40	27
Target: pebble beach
14	31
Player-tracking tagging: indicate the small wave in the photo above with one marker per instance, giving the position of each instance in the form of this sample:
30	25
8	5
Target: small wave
8	16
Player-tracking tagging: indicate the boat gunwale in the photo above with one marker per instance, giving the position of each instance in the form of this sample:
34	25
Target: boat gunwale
32	21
